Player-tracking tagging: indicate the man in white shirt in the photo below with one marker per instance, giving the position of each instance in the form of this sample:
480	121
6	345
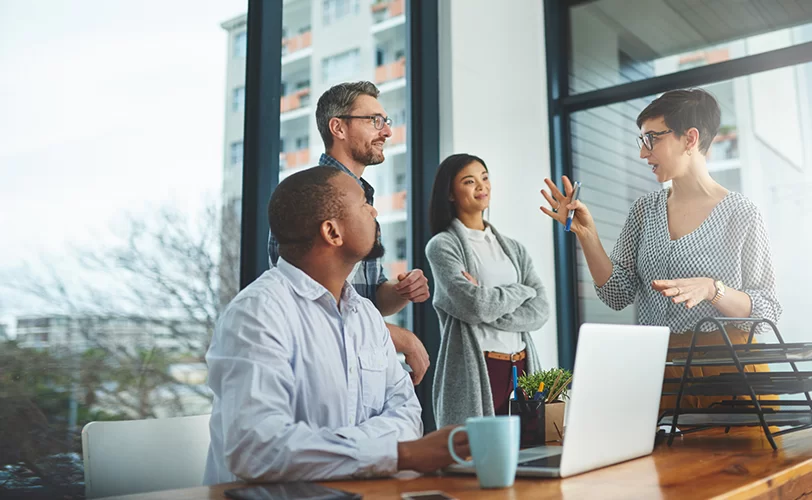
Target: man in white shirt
306	381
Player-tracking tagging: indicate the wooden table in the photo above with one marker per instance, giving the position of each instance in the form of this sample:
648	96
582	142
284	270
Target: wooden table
708	464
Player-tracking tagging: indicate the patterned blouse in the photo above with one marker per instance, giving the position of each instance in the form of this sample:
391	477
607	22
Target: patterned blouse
730	245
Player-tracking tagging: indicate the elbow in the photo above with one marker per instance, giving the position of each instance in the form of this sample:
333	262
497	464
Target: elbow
249	461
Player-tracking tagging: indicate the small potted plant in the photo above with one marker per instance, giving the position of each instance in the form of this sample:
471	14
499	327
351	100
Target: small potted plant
554	385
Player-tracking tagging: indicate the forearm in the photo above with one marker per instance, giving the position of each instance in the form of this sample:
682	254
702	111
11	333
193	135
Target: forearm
734	304
388	300
600	266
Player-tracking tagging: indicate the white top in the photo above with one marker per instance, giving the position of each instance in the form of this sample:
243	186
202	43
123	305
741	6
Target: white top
305	390
492	267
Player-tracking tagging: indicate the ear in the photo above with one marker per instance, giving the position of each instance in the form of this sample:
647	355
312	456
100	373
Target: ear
338	128
692	138
330	233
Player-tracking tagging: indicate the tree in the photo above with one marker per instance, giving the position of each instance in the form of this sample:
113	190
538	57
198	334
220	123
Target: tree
129	313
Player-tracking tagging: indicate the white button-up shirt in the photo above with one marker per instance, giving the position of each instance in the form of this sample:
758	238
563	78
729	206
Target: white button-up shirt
304	389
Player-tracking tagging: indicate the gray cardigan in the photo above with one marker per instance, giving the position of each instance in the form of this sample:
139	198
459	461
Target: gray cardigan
461	385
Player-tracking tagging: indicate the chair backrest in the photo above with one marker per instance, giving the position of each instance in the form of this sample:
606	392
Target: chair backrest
136	456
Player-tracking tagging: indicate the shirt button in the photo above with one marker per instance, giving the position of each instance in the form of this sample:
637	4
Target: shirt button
352	369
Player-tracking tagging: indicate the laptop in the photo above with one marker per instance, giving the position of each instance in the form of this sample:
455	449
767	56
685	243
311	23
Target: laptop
613	408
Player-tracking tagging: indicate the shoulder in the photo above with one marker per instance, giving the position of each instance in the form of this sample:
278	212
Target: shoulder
742	206
649	200
268	291
441	241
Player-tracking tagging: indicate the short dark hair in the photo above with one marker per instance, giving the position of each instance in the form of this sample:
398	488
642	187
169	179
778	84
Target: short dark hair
298	206
441	209
684	109
338	100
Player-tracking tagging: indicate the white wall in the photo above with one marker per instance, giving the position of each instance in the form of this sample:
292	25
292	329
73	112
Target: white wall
493	103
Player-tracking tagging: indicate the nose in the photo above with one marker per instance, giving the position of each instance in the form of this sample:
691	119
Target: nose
644	152
374	212
386	131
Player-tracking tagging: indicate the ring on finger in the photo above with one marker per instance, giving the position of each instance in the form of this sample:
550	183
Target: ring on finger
679	292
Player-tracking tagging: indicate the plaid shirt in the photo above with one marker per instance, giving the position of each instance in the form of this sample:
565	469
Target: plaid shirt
369	275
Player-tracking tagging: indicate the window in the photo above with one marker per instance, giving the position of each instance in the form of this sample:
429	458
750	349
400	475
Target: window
238	100
240	45
341	66
617	42
102	332
324	68
236	153
334	10
759	151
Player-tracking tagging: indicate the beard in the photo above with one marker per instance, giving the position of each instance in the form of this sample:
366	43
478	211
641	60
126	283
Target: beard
367	155
377	250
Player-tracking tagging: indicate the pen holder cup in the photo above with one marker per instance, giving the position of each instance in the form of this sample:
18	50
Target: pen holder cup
532	418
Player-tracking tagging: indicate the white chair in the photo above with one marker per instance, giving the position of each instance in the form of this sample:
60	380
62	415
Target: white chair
136	456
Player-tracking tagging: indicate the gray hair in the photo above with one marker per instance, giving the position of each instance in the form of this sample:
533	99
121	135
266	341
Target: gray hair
338	100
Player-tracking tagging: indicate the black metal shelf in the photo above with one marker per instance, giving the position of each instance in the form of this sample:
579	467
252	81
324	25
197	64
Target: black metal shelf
744	388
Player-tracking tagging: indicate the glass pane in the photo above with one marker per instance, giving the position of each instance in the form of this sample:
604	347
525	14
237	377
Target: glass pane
334	41
121	239
761	151
616	41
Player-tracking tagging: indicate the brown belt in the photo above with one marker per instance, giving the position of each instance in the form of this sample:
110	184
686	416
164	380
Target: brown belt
506	357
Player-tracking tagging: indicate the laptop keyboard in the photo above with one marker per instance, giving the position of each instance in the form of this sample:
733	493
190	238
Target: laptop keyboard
551	462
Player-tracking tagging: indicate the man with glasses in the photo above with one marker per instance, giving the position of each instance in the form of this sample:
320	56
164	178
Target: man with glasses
354	128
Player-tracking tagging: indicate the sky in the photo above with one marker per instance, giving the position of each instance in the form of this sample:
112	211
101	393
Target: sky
107	107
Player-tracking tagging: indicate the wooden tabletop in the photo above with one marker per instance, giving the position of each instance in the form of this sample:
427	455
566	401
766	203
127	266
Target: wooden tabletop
708	464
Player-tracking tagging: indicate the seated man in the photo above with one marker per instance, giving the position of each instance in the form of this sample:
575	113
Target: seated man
306	382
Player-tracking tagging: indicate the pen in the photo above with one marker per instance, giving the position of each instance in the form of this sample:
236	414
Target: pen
576	190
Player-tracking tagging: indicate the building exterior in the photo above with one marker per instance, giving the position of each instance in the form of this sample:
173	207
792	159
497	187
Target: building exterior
325	43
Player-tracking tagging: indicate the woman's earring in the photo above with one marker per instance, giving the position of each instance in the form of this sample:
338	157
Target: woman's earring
689	152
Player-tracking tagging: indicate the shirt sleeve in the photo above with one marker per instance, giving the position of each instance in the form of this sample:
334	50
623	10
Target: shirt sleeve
250	371
621	288
758	275
462	299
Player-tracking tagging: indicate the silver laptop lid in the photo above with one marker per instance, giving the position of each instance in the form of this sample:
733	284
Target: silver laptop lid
616	388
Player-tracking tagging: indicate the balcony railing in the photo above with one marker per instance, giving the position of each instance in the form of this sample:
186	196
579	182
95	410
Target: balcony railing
391	71
383	10
295	100
297	43
294	159
391	202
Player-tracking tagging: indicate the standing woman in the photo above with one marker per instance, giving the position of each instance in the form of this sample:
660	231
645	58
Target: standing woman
487	297
686	252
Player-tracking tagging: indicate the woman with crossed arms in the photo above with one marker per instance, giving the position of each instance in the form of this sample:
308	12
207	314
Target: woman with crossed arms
686	252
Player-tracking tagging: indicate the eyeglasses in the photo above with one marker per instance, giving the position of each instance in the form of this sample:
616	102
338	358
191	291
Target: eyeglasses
648	138
377	120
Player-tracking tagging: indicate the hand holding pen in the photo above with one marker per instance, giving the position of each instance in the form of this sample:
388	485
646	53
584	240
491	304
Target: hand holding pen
566	208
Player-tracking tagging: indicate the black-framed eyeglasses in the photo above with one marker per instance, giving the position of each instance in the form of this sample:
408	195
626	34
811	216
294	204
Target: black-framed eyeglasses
377	120
648	139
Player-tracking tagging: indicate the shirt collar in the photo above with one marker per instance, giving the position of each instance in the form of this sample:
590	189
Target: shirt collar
329	161
476	234
310	289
